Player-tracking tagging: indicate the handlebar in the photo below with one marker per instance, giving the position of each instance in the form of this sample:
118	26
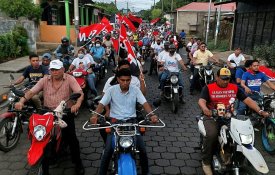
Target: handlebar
88	126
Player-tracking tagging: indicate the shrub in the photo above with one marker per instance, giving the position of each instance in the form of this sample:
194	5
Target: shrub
222	45
21	8
265	52
14	44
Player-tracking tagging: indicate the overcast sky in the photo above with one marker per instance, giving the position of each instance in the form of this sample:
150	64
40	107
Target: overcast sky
134	5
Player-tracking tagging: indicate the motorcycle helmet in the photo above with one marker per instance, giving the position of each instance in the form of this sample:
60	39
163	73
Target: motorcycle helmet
140	43
172	46
64	40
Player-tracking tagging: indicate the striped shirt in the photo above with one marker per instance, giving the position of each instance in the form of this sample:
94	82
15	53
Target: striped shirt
53	95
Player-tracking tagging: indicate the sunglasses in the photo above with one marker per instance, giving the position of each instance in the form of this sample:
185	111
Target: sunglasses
226	78
221	109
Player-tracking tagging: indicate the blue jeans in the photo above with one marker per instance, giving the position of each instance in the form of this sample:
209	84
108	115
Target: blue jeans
164	76
91	82
242	107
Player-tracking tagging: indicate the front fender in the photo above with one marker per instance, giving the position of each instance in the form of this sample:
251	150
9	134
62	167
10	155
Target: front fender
36	150
8	115
255	158
126	164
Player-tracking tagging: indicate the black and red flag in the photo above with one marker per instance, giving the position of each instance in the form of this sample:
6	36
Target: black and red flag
135	20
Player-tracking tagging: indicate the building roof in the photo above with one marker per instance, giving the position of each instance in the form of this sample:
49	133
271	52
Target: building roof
203	6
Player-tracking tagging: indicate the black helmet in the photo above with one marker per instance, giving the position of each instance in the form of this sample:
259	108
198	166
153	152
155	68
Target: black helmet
65	40
172	46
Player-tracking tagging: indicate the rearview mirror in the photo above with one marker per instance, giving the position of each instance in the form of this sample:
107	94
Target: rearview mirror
75	96
12	77
157	103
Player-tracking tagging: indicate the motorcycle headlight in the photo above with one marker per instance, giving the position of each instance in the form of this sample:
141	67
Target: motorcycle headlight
208	72
125	142
11	97
174	79
39	132
246	139
272	104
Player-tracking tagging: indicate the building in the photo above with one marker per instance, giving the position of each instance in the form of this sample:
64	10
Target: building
53	19
192	17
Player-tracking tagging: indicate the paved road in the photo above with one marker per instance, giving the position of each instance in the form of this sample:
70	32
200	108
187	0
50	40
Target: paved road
171	150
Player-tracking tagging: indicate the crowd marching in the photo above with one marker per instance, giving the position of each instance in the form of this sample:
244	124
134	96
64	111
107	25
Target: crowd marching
126	46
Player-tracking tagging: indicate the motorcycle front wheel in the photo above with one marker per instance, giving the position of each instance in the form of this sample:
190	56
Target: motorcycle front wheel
8	141
36	169
247	170
175	102
268	136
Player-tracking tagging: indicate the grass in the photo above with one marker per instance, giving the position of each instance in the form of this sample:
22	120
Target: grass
222	45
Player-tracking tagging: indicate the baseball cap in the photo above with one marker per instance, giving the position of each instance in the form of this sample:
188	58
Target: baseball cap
47	55
56	64
224	73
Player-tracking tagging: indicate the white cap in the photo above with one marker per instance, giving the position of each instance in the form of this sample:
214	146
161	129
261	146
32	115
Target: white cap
56	64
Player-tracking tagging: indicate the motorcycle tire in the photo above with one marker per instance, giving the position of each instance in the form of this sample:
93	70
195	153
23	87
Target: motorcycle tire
175	102
268	136
36	169
6	126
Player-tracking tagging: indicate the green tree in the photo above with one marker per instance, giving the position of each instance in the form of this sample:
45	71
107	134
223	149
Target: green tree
146	14
21	8
156	13
109	8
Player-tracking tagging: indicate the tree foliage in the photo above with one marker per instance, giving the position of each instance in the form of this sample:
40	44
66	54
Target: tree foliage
21	8
156	13
109	8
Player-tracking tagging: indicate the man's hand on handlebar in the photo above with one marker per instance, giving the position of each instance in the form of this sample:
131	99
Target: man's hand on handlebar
154	118
93	119
18	106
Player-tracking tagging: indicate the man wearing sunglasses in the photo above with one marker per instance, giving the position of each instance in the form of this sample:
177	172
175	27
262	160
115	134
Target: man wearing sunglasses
201	56
219	92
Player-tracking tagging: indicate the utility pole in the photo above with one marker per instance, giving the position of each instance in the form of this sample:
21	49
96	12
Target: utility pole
76	19
172	3
127	7
67	14
218	25
154	4
115	2
208	21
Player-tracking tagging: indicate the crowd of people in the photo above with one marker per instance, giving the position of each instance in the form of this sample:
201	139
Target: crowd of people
127	86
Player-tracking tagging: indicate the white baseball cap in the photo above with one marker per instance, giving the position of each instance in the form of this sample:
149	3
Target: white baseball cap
56	64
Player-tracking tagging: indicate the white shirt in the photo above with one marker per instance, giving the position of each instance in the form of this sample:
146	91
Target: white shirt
171	62
134	82
237	59
161	54
84	60
157	48
90	58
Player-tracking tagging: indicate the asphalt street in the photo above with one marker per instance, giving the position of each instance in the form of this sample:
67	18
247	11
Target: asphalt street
171	150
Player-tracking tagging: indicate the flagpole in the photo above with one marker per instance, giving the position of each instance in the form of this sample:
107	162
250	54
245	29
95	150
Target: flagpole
118	58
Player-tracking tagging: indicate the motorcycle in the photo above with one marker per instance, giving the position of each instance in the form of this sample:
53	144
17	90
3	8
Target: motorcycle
99	70
206	74
45	135
267	125
66	59
146	52
12	121
172	91
235	151
124	135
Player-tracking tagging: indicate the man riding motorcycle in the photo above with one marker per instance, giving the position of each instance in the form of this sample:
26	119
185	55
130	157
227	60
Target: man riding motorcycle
212	94
65	52
170	62
122	99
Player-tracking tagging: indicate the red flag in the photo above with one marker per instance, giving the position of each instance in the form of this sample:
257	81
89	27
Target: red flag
129	23
135	20
90	31
115	44
154	21
118	18
106	23
123	38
